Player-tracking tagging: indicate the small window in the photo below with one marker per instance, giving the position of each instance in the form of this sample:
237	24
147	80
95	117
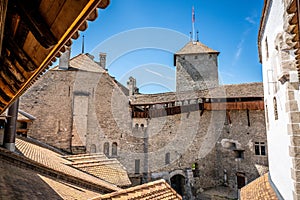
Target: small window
114	149
267	48
196	57
275	108
106	148
137	166
167	158
93	148
260	148
248	117
239	154
267	116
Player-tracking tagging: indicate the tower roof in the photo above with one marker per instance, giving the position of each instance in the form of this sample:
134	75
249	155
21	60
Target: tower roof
195	48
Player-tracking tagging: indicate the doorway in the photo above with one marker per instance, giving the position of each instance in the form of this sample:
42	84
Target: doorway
177	183
241	180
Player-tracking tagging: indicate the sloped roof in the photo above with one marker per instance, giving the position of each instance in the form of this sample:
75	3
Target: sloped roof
156	190
85	63
110	170
195	48
22	178
236	91
222	91
22	115
258	189
54	161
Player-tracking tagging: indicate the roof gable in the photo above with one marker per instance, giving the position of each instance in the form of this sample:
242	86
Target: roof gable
195	48
85	63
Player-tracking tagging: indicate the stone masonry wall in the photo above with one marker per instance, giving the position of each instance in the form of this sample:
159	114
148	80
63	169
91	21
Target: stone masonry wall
196	72
50	101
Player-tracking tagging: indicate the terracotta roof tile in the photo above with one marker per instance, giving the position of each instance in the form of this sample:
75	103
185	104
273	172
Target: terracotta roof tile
222	91
195	48
68	191
55	162
156	190
258	189
110	170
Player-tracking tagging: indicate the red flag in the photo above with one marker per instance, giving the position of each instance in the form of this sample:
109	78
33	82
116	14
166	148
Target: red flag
193	15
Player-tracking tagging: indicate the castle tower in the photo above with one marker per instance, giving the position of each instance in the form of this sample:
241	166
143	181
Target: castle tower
196	67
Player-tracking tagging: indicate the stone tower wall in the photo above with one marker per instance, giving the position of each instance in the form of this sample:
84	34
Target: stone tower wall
196	72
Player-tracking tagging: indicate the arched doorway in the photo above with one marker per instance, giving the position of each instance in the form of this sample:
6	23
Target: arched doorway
177	183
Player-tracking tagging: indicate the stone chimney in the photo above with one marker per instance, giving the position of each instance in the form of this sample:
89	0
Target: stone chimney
64	59
131	85
102	58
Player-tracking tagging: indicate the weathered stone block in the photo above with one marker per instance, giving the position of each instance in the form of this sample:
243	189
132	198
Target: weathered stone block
295	140
291	106
296	163
293	129
294	151
294	117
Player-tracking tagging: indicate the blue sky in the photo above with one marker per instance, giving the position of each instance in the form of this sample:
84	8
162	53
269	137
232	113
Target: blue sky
140	37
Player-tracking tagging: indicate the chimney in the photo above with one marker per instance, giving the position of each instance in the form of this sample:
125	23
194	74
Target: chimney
131	85
102	58
64	59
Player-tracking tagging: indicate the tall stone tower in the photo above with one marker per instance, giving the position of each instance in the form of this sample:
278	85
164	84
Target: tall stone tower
196	67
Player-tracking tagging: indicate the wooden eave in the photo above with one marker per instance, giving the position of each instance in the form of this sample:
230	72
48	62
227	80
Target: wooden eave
33	33
262	25
294	29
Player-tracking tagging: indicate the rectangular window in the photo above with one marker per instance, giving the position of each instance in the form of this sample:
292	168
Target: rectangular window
267	48
137	166
260	148
167	158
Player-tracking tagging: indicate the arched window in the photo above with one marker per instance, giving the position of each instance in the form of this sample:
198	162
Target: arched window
275	108
114	149
106	148
167	158
93	148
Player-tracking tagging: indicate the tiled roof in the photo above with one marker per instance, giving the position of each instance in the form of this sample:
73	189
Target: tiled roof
195	48
258	189
55	162
156	190
223	91
110	170
68	191
85	63
19	182
237	90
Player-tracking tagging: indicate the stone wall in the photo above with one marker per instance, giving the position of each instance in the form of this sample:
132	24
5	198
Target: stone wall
191	138
196	72
50	101
84	111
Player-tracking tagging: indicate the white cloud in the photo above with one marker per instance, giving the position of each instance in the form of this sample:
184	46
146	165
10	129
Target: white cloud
154	72
159	74
250	20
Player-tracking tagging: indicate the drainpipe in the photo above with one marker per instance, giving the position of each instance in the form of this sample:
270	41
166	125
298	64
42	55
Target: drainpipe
10	127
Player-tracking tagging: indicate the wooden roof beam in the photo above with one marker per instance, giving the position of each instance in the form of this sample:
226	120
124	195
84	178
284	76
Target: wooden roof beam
37	25
21	56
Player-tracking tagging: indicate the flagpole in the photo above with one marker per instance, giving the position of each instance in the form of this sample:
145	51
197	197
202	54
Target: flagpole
193	25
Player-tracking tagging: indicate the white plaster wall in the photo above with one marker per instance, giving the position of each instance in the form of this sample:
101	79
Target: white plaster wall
280	163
